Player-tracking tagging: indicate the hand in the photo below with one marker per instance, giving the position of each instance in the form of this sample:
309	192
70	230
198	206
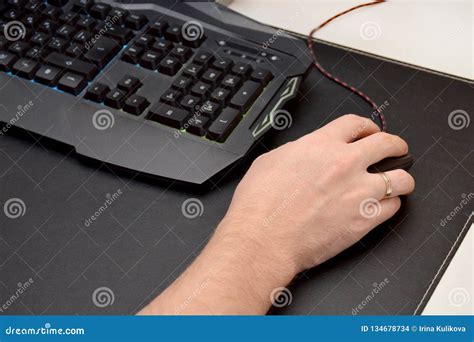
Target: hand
296	207
312	198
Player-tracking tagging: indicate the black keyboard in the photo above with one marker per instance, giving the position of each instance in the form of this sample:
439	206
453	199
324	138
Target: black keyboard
164	90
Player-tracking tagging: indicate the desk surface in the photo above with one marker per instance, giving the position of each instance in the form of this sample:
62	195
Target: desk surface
404	31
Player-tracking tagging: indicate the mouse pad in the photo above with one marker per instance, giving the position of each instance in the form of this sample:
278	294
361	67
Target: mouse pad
82	238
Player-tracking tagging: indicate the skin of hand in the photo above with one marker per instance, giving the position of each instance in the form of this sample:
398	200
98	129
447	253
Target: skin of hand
296	207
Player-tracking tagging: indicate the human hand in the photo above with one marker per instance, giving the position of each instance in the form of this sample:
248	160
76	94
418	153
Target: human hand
310	199
296	207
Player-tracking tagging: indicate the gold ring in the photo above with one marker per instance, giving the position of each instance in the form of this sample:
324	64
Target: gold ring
388	184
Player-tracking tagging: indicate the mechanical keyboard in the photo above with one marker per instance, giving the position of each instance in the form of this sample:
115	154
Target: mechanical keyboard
165	88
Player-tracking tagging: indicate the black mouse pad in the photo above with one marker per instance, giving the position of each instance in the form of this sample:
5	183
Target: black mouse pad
81	238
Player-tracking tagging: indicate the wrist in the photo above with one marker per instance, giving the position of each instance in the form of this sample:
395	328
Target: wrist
271	262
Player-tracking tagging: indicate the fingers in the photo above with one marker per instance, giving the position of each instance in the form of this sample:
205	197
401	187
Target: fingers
402	184
350	127
379	146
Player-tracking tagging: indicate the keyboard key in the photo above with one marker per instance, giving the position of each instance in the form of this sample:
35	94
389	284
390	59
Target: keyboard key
170	97
129	84
12	15
74	50
144	40
82	37
197	124
72	83
162	45
158	28
39	38
35	7
168	115
36	53
201	90
6	61
209	109
99	11
193	70
120	34
169	66
173	33
181	53
70	64
136	21
68	18
261	76
57	44
51	12
190	102
97	92
19	48
47	75
115	98
31	20
150	60
135	104
132	54
241	69
182	83
66	32
118	15
82	6
246	95
203	58
211	76
47	26
220	95
231	82
102	51
222	64
86	23
224	124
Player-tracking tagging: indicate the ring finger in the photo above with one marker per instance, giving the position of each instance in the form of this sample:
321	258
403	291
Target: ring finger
401	182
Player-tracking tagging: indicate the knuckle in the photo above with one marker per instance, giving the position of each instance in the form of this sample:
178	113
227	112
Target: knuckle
352	118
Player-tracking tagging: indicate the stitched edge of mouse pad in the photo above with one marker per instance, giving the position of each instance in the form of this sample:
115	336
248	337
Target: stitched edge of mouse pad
444	266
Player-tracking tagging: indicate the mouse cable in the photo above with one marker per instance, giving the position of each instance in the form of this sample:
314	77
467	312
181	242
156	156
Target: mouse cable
354	90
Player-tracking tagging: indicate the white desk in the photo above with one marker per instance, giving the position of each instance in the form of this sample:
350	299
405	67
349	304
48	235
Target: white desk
436	34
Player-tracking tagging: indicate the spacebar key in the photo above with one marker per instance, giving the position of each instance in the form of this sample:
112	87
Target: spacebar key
71	64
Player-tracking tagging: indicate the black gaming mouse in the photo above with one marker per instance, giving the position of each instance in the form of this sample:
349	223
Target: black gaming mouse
392	163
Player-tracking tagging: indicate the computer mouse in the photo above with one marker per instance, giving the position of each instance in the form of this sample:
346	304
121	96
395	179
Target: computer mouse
392	163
